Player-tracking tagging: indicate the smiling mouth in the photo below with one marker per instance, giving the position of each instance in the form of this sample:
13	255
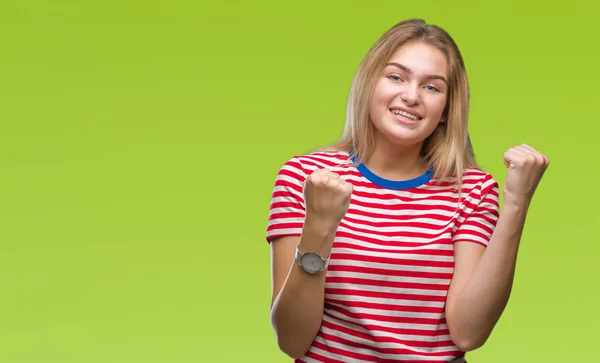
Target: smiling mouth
406	115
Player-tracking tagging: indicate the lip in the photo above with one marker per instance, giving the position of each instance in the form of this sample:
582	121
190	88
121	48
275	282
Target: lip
407	110
405	120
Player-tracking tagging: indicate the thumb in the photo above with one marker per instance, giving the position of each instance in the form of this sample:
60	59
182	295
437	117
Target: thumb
509	159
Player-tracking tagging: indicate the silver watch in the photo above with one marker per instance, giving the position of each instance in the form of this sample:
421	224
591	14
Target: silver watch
311	262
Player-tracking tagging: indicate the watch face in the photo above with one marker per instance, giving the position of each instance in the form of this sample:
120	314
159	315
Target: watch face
312	262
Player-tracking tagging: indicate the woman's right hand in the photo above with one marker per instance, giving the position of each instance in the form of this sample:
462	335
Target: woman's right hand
327	198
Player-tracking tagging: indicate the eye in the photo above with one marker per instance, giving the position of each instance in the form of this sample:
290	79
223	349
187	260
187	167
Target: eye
395	78
432	88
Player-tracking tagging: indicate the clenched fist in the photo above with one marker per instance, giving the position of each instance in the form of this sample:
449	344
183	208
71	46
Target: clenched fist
327	197
526	167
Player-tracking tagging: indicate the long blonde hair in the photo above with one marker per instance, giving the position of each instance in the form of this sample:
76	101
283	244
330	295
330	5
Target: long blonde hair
448	150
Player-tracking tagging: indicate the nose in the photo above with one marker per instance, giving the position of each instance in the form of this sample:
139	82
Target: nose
410	95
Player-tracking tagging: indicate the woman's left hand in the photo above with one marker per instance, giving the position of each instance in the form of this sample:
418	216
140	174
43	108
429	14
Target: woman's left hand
526	167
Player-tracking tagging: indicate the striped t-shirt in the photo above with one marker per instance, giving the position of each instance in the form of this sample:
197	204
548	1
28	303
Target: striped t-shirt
392	258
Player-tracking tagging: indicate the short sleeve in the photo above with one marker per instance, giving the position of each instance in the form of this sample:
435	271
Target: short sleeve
477	222
287	209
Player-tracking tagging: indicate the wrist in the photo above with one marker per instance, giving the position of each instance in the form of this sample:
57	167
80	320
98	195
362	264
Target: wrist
317	236
514	211
319	226
516	203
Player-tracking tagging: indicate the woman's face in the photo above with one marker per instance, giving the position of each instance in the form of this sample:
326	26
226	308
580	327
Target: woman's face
410	97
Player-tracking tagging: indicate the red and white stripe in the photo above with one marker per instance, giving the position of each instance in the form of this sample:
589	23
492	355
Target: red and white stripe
391	262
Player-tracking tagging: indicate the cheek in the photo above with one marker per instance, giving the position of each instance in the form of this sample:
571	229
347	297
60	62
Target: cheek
379	102
436	106
383	93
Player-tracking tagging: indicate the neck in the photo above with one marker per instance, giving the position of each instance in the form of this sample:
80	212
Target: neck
396	162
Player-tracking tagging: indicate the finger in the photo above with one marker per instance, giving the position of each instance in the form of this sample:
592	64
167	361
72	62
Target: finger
515	157
320	172
332	181
527	147
527	157
520	150
539	158
511	156
543	157
318	177
347	188
523	156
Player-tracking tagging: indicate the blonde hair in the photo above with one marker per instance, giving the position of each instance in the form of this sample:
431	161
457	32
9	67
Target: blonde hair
448	150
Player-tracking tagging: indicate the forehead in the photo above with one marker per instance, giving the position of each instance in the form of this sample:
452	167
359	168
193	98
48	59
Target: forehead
421	58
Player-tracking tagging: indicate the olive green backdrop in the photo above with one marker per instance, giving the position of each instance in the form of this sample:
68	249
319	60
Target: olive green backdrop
140	140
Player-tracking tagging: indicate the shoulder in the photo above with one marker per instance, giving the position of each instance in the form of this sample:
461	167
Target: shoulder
480	180
304	164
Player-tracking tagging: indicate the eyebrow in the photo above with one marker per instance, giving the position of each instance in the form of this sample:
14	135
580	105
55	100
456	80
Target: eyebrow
406	69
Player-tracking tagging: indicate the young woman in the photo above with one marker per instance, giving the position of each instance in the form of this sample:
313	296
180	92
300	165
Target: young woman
389	246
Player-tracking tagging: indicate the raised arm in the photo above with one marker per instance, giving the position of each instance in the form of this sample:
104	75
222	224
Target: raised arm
297	300
483	277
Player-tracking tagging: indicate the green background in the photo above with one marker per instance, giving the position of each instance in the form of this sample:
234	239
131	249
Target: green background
140	140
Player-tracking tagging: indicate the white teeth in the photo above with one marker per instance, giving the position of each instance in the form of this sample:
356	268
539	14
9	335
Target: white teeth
405	114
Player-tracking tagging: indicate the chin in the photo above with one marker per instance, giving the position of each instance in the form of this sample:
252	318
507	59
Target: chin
402	136
406	142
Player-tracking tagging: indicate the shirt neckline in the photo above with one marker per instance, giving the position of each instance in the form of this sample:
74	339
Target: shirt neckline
393	184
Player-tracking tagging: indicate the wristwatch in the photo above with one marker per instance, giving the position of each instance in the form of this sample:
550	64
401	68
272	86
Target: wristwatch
311	262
